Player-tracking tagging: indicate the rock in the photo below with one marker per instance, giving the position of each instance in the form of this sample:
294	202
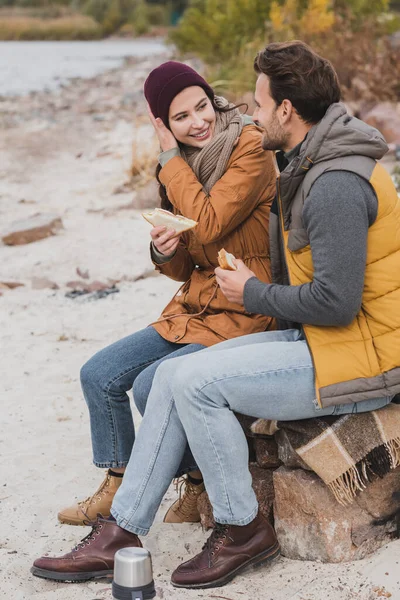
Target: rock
263	486
96	286
264	490
41	283
312	525
386	119
77	285
246	423
30	230
287	453
266	451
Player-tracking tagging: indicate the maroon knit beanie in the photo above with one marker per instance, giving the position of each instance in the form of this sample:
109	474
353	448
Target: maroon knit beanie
166	81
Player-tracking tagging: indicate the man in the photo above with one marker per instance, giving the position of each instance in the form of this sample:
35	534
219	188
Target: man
335	250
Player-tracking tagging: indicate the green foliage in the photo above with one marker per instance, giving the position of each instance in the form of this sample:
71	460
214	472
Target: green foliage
217	30
113	17
360	8
139	18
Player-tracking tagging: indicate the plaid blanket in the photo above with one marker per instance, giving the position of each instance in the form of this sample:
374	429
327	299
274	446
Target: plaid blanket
347	451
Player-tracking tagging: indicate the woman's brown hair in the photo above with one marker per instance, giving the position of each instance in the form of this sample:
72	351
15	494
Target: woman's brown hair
165	202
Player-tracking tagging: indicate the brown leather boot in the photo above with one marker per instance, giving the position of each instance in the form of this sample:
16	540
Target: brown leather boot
100	502
185	510
227	552
92	558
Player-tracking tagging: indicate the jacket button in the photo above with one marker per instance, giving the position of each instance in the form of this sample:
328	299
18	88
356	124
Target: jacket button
177	337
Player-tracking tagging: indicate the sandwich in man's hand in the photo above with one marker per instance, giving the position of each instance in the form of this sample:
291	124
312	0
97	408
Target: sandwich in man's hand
225	260
159	216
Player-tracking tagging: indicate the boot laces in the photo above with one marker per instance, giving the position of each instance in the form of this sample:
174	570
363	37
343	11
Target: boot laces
216	539
96	496
187	496
96	527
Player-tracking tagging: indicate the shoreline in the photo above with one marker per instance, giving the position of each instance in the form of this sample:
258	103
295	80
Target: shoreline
85	59
66	153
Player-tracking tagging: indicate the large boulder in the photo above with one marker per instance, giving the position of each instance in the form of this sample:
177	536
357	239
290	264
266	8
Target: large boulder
30	230
312	525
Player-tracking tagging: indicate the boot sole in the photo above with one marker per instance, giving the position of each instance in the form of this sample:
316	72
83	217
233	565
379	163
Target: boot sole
78	523
255	562
70	577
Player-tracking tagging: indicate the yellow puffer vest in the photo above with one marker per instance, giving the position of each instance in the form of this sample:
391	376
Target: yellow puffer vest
362	360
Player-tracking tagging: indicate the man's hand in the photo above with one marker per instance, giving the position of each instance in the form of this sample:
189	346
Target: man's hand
165	240
232	282
165	136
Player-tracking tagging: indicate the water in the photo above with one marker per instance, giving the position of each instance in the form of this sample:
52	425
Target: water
34	66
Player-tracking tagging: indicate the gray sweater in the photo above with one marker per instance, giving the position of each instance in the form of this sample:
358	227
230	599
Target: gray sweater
339	210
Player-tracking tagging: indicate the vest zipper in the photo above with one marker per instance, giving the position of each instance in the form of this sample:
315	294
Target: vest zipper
281	227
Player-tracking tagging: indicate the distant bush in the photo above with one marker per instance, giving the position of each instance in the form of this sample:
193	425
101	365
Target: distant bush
226	35
76	27
217	30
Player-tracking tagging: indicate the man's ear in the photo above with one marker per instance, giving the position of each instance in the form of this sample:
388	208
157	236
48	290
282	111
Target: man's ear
286	111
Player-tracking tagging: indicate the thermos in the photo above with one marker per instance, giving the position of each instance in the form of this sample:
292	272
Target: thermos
133	575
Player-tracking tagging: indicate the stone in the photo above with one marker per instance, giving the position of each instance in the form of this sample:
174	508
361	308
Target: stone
263	487
246	422
41	283
266	451
287	453
311	525
30	230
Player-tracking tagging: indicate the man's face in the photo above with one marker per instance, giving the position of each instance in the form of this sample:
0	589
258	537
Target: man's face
268	116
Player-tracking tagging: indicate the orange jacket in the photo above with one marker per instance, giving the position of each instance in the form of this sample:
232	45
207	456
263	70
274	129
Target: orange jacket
234	216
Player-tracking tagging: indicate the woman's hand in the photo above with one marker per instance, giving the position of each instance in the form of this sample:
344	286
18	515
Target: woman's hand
165	240
165	137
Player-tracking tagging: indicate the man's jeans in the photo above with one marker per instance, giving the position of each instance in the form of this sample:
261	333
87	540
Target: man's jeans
268	375
108	376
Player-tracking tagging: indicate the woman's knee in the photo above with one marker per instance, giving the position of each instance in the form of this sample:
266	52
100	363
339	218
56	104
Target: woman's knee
92	373
141	388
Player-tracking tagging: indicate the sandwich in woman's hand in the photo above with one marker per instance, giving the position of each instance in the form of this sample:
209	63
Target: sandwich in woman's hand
225	260
159	216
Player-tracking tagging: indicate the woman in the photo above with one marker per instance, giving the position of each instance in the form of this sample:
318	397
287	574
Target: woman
213	170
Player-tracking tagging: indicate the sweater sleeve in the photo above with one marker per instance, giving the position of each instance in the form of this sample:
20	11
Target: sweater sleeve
179	266
249	180
337	214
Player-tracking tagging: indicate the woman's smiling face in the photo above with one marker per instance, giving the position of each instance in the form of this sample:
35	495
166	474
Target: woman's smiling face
192	117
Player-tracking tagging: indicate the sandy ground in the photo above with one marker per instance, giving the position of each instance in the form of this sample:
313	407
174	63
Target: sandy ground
65	153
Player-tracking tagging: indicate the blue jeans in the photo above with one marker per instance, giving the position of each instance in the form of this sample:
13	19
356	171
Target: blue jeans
108	376
268	375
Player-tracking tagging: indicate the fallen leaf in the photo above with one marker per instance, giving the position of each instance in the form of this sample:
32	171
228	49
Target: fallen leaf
83	274
10	284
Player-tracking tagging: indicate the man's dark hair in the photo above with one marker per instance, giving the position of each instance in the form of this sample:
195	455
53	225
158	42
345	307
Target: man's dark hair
299	74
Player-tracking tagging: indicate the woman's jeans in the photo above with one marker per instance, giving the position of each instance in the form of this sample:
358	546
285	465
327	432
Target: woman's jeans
108	376
267	375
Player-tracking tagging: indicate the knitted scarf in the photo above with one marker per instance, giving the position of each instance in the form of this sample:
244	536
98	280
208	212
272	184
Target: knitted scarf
209	163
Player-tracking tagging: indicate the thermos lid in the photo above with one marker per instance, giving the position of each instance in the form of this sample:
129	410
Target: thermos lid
133	568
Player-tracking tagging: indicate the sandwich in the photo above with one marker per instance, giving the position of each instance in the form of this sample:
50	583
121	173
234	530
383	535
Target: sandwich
225	260
159	216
